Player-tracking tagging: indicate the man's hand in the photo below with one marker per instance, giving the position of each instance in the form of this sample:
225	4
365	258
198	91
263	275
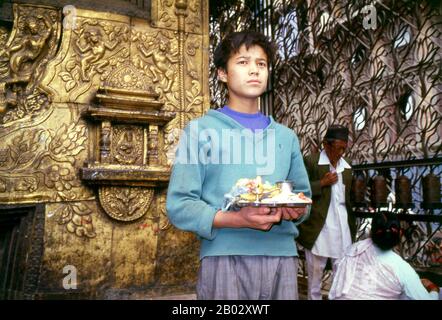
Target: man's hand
259	218
290	213
330	178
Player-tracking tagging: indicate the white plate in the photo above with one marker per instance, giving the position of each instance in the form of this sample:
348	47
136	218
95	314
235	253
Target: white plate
272	204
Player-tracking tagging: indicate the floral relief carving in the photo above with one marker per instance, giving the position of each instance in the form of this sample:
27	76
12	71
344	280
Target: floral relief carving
191	50
68	142
166	17
126	203
25	106
193	19
128	77
24	183
77	217
194	98
4	60
23	151
178	14
40	158
59	177
164	220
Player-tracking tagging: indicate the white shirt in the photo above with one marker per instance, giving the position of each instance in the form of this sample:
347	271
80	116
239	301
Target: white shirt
368	273
334	237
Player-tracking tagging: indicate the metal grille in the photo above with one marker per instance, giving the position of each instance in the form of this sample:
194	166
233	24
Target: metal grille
384	83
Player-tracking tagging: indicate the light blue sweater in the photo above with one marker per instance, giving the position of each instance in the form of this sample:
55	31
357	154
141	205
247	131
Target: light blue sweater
214	152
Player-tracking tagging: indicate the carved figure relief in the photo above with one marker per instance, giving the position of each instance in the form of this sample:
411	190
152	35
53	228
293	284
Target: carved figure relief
23	60
163	59
153	145
97	48
35	32
128	147
92	50
165	85
105	141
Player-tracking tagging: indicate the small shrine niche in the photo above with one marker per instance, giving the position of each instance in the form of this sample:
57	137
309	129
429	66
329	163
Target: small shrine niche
126	155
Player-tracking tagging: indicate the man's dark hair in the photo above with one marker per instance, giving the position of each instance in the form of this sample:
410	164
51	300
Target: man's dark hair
385	230
336	132
233	42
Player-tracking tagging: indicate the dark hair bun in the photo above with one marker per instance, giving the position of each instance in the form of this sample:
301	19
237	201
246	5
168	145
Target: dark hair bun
385	230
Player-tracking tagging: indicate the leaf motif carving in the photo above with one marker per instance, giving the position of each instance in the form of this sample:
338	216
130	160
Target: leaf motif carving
70	85
78	219
66	76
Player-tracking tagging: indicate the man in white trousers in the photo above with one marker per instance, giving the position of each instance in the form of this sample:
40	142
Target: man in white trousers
331	227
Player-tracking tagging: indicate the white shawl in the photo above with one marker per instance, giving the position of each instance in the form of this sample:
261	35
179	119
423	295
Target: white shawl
360	275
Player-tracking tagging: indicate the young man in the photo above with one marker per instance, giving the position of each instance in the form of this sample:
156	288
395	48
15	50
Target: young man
249	253
331	227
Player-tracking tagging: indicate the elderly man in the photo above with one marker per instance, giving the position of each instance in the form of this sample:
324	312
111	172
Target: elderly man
331	227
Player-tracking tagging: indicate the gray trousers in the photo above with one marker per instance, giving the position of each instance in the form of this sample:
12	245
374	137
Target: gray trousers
248	278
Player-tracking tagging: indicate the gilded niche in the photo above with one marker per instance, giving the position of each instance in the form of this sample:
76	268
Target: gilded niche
127	164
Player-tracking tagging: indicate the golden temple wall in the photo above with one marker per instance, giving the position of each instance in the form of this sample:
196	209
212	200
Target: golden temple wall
91	107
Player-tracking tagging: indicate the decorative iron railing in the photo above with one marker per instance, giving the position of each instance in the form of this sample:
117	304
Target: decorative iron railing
412	191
